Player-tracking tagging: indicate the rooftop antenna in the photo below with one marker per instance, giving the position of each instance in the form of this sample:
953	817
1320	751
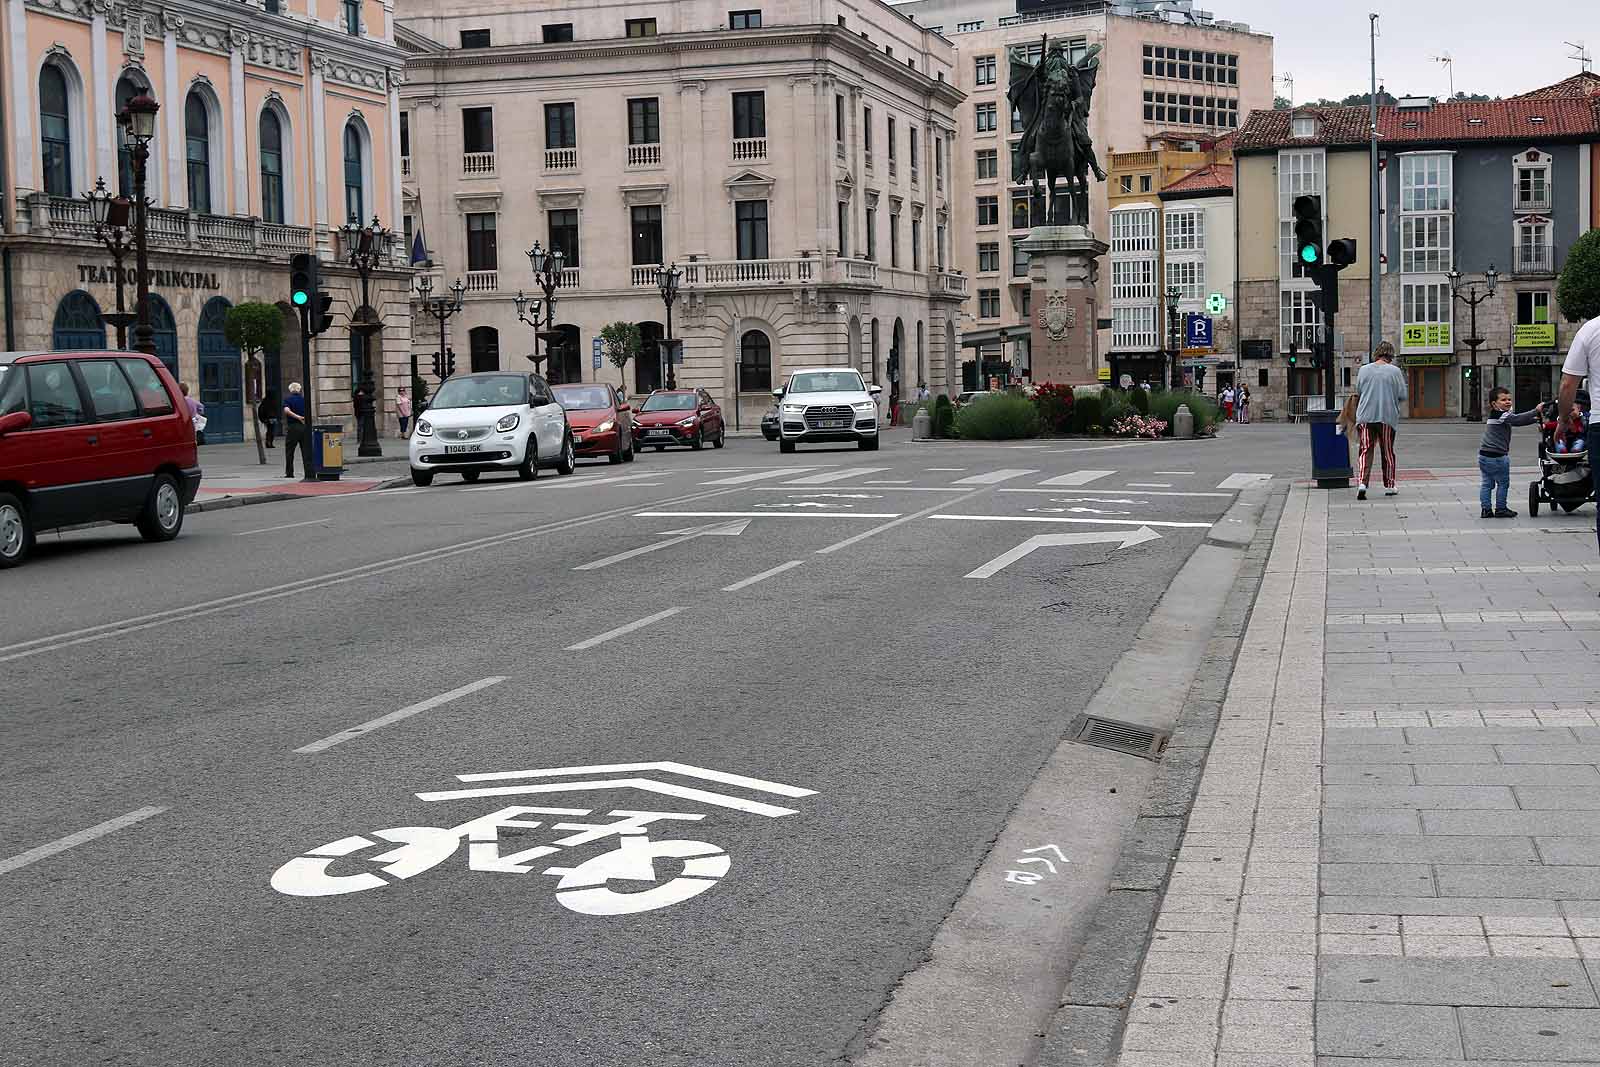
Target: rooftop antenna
1288	83
1580	55
1449	66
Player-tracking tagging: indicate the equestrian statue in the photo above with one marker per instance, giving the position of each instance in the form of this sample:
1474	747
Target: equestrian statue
1053	99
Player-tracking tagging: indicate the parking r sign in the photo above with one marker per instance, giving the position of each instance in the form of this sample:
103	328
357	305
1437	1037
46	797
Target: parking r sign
1196	330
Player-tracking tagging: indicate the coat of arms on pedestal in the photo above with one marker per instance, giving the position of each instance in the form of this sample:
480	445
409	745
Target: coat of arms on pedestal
1057	316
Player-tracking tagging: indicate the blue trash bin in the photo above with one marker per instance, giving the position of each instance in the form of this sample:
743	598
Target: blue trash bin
1330	451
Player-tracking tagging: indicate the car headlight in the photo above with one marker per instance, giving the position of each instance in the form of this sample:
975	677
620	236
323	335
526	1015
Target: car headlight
794	409
687	422
424	428
865	405
606	427
508	422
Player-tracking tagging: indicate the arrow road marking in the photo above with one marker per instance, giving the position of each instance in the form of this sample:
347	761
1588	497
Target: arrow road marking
670	766
1077	511
716	529
1123	539
1095	500
683	792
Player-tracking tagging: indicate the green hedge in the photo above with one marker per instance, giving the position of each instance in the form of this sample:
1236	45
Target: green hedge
1086	413
1000	417
1164	405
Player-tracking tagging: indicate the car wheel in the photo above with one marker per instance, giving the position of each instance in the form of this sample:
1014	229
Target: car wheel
631	454
470	476
528	469
699	441
785	447
569	459
616	457
722	436
421	478
16	535
869	444
162	516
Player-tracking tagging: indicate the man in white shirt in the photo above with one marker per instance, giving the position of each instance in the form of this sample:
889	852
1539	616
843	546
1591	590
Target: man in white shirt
1583	361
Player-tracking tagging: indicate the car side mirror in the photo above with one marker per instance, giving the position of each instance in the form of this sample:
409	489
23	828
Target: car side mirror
874	389
777	394
17	420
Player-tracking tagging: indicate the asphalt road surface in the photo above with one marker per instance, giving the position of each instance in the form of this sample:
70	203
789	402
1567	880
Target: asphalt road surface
273	792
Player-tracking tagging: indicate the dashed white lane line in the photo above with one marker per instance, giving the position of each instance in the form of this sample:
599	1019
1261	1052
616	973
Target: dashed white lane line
61	844
1095	522
879	486
763	576
995	477
889	481
836	476
395	716
1149	485
947	468
1114	492
1077	478
765	515
1158	473
1242	480
902	520
770	472
285	526
637	624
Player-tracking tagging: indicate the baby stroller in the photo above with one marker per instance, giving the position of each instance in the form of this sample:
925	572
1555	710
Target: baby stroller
1565	480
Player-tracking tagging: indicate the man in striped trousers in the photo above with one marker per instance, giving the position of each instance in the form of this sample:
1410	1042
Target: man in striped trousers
1380	394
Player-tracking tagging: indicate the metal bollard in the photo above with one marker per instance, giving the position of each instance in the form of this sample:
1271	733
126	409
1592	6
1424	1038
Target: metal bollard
1183	422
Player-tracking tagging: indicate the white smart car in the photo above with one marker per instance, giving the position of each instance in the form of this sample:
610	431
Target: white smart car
824	404
491	422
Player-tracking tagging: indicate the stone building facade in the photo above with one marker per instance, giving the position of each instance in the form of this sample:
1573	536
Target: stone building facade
277	123
794	161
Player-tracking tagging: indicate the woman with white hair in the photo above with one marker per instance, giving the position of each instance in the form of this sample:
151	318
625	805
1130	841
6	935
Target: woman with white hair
294	431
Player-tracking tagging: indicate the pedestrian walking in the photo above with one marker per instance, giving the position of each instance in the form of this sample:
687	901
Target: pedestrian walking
1583	361
294	431
402	409
197	413
1494	452
267	415
1380	390
1227	403
1242	402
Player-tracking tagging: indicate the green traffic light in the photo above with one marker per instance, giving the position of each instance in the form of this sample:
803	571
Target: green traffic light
1308	254
301	298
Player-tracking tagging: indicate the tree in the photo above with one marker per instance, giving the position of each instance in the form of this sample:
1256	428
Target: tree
621	342
1578	290
253	328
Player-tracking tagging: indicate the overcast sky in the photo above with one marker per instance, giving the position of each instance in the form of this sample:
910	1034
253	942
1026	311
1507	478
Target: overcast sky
1494	50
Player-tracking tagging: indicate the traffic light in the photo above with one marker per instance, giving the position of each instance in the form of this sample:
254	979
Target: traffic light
438	366
1308	230
449	362
302	278
1342	253
322	315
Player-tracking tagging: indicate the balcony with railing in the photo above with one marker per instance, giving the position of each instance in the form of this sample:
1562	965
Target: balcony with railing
643	275
483	281
948	283
644	155
167	229
570	278
1534	199
749	149
855	271
558	159
1533	259
477	164
747	273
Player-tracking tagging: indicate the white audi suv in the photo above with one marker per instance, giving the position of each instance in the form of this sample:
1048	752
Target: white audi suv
824	404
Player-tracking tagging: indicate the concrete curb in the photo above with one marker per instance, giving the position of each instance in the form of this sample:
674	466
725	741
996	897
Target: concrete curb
1087	1028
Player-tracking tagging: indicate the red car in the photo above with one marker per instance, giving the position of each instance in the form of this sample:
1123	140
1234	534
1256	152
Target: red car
680	417
90	436
601	421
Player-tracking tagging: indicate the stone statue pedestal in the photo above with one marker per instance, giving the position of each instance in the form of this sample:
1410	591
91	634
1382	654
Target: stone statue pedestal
1062	270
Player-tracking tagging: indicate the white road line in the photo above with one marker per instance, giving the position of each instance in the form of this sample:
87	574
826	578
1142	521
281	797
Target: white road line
1093	448
640	551
1149	485
863	535
671	789
1027	448
395	716
285	526
637	624
1171	472
669	766
889	481
947	468
1243	480
880	486
1114	492
564	483
764	515
1095	522
61	844
835	476
770	472
754	578
1077	478
994	477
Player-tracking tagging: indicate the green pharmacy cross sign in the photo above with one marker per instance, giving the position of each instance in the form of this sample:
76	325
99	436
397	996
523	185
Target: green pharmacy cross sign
1216	303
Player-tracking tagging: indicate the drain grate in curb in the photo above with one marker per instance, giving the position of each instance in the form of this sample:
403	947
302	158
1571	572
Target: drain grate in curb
1131	738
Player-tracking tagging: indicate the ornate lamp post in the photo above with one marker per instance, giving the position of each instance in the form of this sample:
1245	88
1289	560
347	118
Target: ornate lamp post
138	118
547	265
439	308
667	279
529	306
1472	299
1174	342
110	216
366	246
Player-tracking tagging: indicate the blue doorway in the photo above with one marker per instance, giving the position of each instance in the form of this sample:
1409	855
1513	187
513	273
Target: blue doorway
165	329
221	376
77	324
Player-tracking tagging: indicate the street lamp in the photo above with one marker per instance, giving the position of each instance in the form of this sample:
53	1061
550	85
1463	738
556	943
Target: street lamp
529	305
547	264
1472	299
439	308
1173	340
1005	337
110	217
364	247
138	118
667	279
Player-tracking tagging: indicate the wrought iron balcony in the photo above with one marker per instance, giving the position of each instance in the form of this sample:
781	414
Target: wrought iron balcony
1533	259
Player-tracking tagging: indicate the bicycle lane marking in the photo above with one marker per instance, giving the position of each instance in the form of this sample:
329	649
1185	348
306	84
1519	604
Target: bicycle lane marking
62	844
395	716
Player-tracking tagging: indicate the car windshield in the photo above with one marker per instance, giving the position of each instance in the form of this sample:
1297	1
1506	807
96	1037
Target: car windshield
839	381
670	402
583	397
489	391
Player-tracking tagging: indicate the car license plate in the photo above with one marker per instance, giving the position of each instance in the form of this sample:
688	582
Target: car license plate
577	438
832	424
459	448
658	433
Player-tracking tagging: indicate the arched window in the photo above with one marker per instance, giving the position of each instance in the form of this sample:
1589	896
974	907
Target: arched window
484	342
55	131
77	324
127	89
271	167
164	329
647	369
197	140
872	373
355	204
755	362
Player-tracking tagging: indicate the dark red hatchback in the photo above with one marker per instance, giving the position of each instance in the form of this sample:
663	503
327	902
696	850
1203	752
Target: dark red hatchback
91	436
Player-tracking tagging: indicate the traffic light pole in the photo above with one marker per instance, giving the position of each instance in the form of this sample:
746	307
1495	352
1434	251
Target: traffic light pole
305	375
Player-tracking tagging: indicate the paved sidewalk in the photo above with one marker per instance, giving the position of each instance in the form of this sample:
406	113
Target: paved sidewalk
232	474
1394	856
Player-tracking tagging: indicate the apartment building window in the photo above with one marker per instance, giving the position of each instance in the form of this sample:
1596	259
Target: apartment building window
744	20
1425	315
750	225
474	38
557	33
988	303
1133	230
641	27
984	117
988	211
1144	183
1021	217
1533	314
988	257
644	121
1133	327
872	233
1133	279
1426	244
1025	303
938	160
1534	252
1019	260
1533	181
1191	109
352	17
646	227
749	115
1125	184
405	134
1186	231
986	164
1191	64
844	228
1425	182
197	142
271	140
893	147
477	129
983	72
1188	277
1299	321
939	244
894	238
916	244
561	127
1300	173
913	143
969	27
564	235
481	251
